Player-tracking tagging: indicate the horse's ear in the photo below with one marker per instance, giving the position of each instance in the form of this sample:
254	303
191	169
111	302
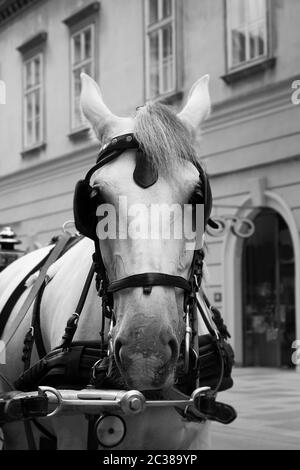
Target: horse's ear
198	104
94	108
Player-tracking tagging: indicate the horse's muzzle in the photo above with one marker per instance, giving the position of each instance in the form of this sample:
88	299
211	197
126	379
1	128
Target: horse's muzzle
148	363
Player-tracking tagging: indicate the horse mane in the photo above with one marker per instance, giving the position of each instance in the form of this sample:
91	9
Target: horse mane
165	140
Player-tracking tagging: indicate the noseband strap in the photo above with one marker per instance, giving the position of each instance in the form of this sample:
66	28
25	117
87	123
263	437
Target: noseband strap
149	280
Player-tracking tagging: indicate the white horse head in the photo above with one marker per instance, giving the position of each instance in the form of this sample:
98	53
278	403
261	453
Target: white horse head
149	328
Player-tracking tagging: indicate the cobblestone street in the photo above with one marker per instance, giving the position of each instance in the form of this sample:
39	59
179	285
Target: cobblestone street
268	406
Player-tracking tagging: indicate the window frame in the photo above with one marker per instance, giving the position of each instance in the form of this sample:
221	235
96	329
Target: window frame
248	63
80	29
36	143
148	30
79	20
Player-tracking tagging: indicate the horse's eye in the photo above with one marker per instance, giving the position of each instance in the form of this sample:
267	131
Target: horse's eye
96	197
195	199
197	195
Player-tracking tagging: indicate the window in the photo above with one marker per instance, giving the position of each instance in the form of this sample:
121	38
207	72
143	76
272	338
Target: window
160	48
247	30
83	27
33	53
82	60
33	101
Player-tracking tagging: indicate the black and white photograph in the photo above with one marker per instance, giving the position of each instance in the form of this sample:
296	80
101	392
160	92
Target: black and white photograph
149	228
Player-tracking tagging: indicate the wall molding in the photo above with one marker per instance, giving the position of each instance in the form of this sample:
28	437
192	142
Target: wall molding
251	68
213	173
10	8
38	40
250	144
72	162
82	13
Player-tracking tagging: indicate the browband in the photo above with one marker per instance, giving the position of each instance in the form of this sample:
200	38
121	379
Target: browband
145	175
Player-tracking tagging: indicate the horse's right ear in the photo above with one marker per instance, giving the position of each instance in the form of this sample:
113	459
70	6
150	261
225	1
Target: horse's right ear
198	104
93	106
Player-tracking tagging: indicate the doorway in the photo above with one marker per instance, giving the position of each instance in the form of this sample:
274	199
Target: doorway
268	293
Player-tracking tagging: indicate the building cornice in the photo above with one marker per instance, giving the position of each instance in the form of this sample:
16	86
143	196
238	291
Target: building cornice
257	103
10	8
76	163
36	40
242	108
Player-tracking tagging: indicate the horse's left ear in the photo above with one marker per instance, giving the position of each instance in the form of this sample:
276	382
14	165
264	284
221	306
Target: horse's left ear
198	104
95	110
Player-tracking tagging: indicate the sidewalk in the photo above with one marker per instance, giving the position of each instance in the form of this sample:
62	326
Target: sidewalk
268	406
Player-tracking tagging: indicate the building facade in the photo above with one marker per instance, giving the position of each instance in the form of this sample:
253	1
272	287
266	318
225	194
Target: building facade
156	49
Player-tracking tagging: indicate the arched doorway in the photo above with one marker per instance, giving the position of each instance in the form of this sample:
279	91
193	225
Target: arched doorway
268	293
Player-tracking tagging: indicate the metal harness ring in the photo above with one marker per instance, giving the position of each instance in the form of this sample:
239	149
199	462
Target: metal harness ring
56	393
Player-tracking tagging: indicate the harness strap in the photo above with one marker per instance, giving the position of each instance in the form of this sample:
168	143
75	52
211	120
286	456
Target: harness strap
43	430
38	337
205	319
218	336
207	408
72	323
29	436
54	255
35	333
217	317
18	292
92	443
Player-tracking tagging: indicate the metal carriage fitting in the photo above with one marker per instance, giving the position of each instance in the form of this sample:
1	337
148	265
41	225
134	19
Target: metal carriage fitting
94	402
49	402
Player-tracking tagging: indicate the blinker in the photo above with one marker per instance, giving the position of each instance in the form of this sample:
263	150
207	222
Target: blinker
145	175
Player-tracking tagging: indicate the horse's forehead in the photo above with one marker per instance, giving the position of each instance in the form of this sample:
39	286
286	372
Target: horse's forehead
116	179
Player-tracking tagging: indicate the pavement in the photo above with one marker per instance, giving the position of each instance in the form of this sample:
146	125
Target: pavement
268	406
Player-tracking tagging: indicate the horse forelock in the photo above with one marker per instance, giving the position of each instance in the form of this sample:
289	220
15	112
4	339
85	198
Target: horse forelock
167	143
